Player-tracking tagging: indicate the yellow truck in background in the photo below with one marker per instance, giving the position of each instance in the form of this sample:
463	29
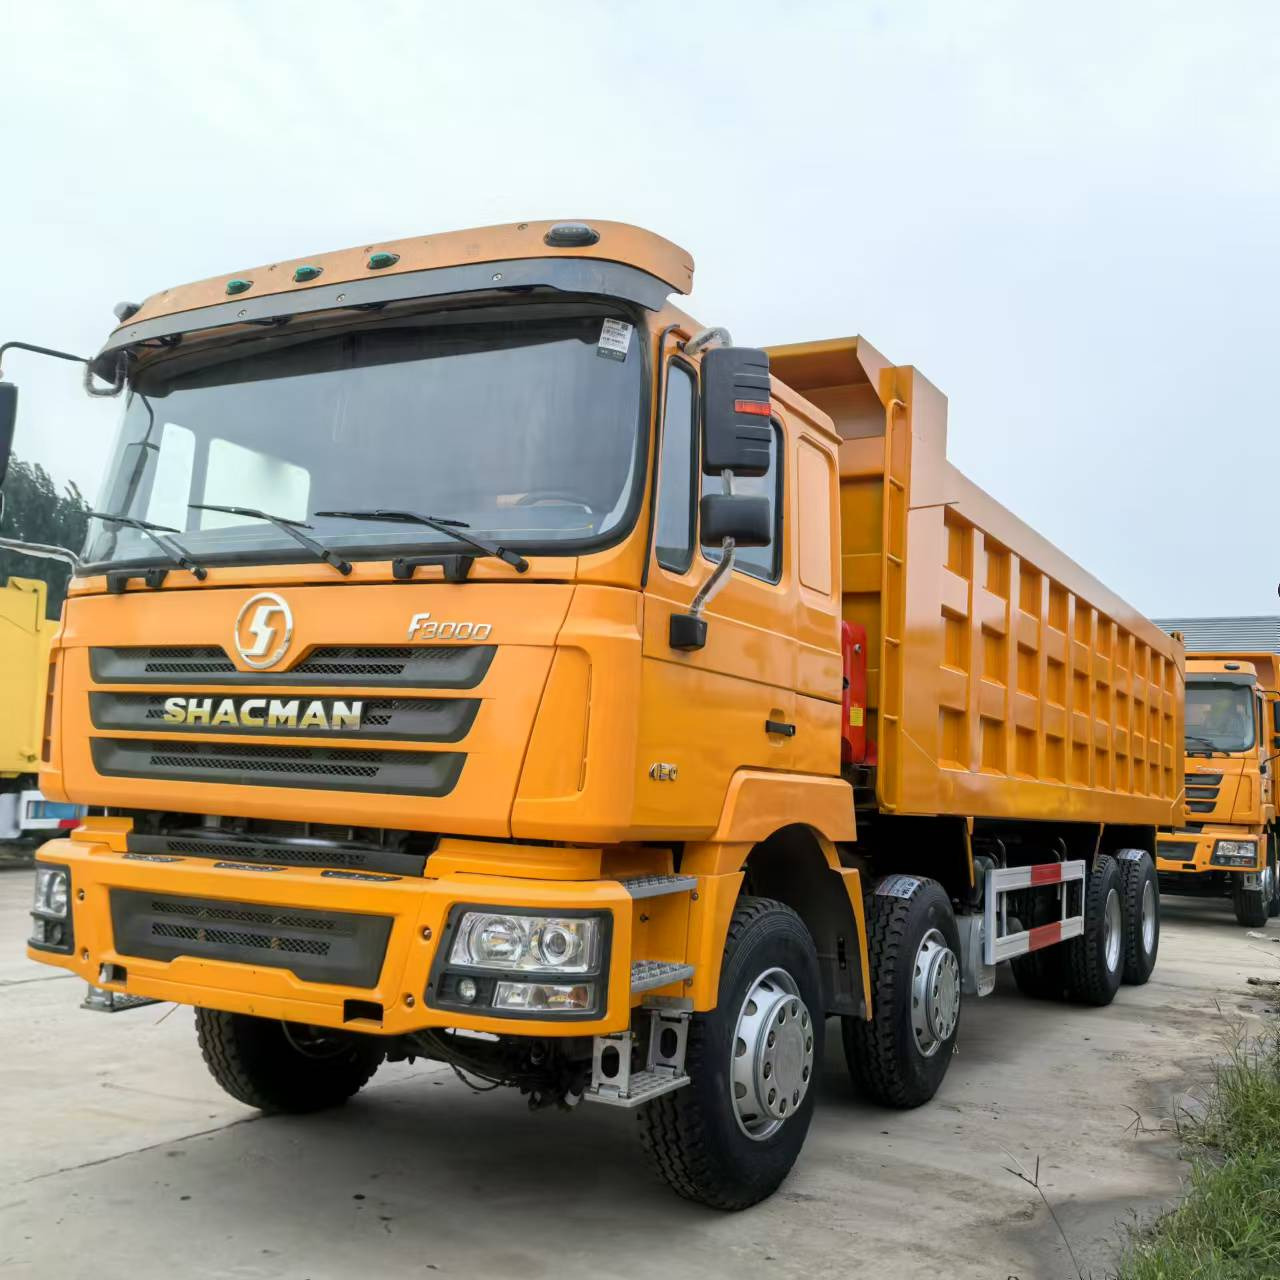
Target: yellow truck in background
1227	844
481	660
25	636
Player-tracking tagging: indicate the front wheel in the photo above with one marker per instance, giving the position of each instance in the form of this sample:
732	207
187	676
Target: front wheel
899	1056
285	1066
1253	906
729	1137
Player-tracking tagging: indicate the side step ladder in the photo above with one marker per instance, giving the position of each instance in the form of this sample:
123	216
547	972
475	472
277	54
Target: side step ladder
613	1081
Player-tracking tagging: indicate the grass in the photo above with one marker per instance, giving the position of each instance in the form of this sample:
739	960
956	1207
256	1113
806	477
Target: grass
1228	1226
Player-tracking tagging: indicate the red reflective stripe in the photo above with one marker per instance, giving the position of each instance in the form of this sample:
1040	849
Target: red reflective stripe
1044	935
68	824
762	407
1047	873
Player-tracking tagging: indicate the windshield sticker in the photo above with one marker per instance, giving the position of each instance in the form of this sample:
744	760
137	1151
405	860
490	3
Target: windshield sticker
615	338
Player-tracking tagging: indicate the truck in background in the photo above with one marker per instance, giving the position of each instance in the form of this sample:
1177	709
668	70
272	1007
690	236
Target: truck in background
1227	844
25	637
481	660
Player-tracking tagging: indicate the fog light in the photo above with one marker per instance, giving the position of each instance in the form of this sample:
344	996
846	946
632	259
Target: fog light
552	997
467	990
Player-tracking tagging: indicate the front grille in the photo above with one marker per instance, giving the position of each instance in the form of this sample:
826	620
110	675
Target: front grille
460	666
279	852
413	773
317	946
408	719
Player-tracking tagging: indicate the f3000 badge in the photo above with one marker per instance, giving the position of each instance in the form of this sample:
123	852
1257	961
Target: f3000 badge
422	626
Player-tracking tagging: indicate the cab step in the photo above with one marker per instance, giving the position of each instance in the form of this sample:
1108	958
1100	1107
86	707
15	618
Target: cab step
656	886
613	1081
100	1000
648	974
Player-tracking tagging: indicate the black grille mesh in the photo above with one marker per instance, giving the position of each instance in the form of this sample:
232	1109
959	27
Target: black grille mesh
425	773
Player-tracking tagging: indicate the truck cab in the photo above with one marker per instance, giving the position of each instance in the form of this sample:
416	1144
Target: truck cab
1227	843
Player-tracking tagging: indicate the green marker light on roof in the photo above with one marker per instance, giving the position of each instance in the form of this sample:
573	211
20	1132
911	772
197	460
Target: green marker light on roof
303	274
379	261
238	286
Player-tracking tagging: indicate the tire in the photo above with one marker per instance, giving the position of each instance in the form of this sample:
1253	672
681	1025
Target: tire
1252	906
1039	974
899	1056
695	1137
285	1067
1273	909
1094	962
1140	899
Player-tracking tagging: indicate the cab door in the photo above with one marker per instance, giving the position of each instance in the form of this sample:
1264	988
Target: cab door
746	699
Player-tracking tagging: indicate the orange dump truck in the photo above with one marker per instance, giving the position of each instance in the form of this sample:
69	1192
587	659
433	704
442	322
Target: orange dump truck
1227	844
480	660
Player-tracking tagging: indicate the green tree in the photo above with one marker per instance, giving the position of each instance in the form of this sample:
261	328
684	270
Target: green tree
35	511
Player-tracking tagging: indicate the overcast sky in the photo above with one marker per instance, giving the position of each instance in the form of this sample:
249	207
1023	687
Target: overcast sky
1068	217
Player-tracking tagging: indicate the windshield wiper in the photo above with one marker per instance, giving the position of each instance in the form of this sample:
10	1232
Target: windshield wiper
291	527
1208	743
173	549
450	528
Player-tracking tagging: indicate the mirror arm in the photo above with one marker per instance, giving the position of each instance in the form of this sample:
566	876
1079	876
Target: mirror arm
719	575
43	551
40	351
113	389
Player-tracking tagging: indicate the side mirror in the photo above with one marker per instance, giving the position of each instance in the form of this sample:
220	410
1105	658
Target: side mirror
747	520
736	432
8	420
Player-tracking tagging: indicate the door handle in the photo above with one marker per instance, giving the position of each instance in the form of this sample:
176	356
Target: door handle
781	727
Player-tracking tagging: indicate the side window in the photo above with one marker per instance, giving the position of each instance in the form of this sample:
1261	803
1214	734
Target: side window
673	530
759	562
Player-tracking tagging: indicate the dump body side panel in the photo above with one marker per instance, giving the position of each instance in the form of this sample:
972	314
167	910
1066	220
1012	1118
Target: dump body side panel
1005	681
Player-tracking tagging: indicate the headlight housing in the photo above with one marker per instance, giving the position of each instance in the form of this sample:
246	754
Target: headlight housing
1235	853
511	963
509	941
51	928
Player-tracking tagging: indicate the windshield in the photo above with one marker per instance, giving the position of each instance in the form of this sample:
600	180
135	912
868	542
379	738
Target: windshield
524	428
1219	717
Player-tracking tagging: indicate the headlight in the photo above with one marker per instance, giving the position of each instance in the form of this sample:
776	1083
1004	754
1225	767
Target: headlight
51	893
516	964
1235	853
50	909
523	943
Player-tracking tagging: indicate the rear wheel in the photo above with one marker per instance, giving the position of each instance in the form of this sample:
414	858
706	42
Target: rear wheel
1140	898
1253	906
730	1136
901	1054
1094	962
285	1066
1273	909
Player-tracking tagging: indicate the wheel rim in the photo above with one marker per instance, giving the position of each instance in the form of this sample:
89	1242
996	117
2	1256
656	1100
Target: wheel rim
1148	917
1112	930
935	994
771	1065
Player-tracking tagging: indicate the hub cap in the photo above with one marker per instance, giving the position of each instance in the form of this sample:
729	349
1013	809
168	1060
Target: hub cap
772	1058
1148	917
935	994
1112	930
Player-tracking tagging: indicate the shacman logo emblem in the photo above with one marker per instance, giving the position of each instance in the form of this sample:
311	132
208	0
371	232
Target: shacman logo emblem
264	630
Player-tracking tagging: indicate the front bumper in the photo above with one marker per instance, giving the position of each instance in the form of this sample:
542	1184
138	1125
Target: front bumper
416	909
1191	853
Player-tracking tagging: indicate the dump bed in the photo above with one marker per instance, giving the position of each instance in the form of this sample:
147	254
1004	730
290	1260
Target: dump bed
1005	681
25	634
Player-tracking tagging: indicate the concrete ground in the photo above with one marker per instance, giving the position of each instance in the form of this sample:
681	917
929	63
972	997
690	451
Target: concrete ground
119	1156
